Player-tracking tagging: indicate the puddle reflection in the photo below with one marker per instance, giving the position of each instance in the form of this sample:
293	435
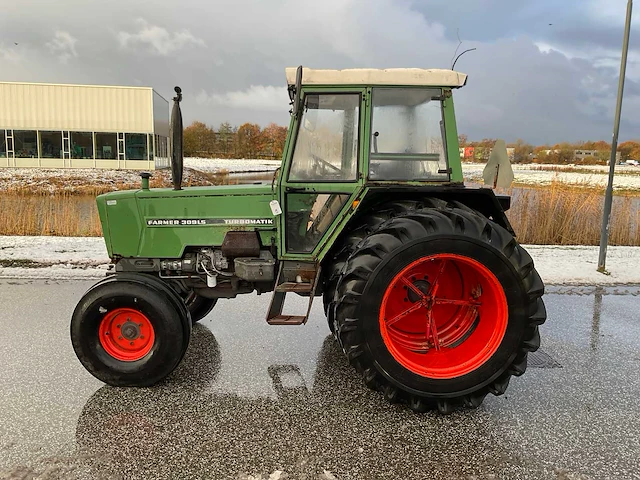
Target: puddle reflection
185	428
595	323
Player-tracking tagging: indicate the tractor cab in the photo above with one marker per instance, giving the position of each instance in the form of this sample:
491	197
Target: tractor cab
353	129
375	125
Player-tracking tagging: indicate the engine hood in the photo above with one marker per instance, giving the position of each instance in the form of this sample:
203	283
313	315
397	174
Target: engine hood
161	223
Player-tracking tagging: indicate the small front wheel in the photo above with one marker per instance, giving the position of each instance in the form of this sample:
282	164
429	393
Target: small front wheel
127	333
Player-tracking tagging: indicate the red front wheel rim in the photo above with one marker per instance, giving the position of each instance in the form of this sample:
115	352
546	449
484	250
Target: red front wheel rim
443	316
126	334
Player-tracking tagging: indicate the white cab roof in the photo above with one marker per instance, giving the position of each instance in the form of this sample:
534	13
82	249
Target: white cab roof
372	76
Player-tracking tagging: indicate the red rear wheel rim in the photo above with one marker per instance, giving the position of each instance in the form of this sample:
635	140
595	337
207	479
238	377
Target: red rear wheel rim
443	316
126	334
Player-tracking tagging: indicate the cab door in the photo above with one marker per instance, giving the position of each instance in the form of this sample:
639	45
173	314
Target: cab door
322	171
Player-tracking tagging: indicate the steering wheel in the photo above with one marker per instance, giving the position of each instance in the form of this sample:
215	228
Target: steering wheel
324	164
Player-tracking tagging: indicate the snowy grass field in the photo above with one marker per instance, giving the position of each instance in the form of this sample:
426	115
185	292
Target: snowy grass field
79	258
626	179
201	171
227	165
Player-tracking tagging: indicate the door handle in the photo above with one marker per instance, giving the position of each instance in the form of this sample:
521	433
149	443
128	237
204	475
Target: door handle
295	189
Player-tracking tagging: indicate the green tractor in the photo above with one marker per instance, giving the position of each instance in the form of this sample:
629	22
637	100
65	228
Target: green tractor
424	286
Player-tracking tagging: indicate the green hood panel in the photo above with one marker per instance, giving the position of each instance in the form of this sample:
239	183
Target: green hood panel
220	190
163	222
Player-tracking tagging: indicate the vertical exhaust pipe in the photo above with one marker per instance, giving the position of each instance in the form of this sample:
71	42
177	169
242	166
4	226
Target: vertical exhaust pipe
176	134
295	93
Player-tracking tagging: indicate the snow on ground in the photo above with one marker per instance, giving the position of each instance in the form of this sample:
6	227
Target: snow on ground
231	165
81	258
89	251
74	180
52	257
626	178
56	179
576	265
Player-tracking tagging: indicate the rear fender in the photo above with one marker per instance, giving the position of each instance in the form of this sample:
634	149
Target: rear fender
483	200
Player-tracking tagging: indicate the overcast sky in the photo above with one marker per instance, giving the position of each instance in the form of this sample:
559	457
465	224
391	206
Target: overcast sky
528	79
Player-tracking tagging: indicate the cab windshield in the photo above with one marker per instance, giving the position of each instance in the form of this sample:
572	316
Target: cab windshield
326	149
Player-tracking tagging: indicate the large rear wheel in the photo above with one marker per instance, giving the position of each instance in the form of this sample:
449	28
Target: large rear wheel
367	224
452	308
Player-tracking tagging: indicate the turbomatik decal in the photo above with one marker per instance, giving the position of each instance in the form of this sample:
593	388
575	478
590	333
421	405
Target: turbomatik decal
190	222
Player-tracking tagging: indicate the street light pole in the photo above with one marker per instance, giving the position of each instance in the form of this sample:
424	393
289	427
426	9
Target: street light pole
608	199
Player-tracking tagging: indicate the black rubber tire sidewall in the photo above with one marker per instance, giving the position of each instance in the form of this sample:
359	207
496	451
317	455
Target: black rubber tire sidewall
496	262
200	307
154	282
169	344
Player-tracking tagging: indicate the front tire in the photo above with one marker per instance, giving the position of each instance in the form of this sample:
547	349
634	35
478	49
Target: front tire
452	308
199	306
128	333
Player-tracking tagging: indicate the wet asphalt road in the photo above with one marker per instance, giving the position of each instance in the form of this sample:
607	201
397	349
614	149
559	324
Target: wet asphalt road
253	401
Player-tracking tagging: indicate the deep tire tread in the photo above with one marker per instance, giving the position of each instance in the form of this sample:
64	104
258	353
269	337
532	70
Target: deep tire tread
408	221
366	225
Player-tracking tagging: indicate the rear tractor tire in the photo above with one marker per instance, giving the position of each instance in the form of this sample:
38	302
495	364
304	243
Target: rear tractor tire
367	224
439	307
129	331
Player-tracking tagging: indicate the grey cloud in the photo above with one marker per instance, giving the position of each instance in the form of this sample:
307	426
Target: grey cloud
257	97
63	45
599	36
514	90
158	40
10	54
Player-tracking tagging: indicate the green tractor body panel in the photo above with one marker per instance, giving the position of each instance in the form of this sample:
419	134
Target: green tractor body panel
163	222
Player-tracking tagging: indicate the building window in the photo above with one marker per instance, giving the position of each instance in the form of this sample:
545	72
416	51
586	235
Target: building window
161	146
26	143
51	144
151	147
81	145
136	146
106	146
3	144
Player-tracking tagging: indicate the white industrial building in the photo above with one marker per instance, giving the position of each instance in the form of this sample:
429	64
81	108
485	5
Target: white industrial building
82	126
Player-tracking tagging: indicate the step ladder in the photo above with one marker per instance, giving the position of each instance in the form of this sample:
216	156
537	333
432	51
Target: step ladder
295	277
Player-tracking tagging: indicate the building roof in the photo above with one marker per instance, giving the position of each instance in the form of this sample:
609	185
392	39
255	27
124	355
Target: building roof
371	76
77	85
